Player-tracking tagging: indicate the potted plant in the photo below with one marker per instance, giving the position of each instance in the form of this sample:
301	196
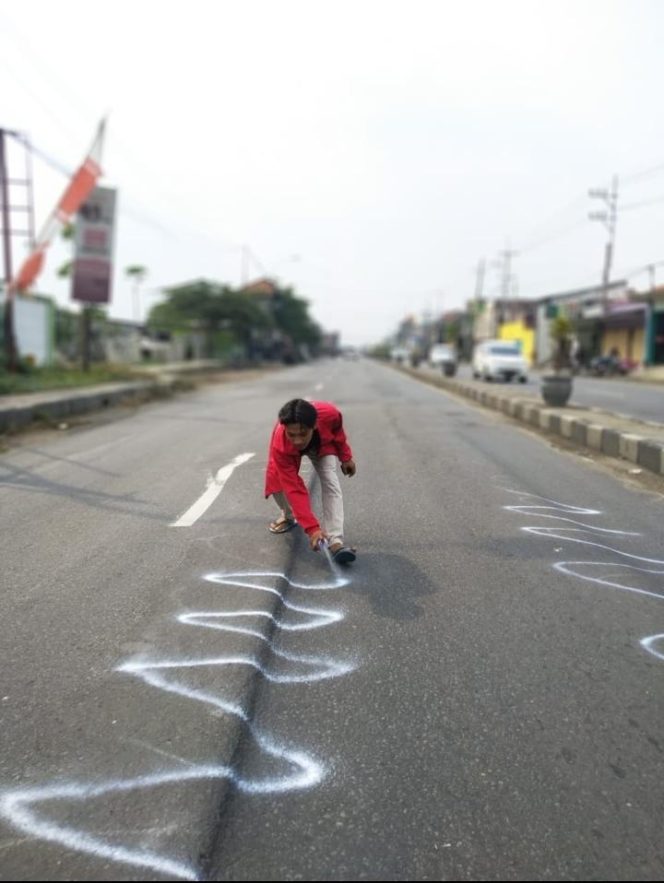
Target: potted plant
557	387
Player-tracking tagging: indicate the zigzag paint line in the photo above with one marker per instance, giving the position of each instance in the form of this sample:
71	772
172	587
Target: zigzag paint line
326	667
570	568
17	807
240	579
561	507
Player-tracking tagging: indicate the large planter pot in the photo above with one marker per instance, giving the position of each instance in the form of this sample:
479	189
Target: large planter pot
556	389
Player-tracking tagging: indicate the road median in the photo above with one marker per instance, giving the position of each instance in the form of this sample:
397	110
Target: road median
614	435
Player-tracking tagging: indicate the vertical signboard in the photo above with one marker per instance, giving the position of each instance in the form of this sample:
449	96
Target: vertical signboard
93	252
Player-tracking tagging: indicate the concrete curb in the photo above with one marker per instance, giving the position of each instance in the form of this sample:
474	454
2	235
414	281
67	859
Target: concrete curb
56	406
52	406
18	411
633	445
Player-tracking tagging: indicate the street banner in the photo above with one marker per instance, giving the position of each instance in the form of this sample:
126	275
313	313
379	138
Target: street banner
79	187
93	248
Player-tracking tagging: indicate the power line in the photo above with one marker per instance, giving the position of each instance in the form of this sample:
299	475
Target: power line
644	202
573	204
645	173
531	246
22	138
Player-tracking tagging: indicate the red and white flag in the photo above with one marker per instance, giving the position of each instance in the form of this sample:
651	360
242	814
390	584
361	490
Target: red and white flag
76	192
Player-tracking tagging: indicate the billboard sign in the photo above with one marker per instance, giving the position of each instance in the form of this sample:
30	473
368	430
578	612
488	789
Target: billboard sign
93	250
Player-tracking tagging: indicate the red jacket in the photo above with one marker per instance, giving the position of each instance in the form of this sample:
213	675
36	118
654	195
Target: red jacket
284	462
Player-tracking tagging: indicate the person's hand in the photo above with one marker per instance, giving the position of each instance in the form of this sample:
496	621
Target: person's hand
349	467
315	538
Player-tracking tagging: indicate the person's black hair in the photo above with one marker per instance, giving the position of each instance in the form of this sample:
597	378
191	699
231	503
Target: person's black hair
298	411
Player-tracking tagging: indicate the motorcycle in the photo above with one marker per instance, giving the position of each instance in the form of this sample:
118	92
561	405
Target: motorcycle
611	366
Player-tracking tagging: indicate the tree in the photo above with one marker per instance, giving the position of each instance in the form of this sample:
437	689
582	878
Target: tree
557	387
213	309
291	314
561	335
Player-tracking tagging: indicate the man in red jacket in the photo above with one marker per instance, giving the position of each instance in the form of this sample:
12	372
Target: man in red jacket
314	430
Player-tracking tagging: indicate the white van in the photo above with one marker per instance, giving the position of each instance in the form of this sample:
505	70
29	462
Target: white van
500	360
441	355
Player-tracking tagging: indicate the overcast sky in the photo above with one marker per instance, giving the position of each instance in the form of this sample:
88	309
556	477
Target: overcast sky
368	153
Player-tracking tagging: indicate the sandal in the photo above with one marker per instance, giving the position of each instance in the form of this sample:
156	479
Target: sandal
282	525
344	555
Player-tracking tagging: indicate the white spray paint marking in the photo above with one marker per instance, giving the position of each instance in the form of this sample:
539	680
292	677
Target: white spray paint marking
214	488
575	568
561	507
567	567
564	534
19	807
647	644
324	667
240	579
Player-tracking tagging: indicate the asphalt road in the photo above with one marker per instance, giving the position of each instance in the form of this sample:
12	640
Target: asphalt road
480	701
645	401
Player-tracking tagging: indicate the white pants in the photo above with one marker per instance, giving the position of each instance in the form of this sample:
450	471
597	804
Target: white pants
333	503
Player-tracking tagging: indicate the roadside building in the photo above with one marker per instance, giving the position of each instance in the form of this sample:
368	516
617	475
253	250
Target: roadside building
449	329
484	320
330	344
624	331
507	319
653	337
34	327
586	308
516	319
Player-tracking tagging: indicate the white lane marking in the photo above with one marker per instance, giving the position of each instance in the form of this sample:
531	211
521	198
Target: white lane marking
207	498
318	387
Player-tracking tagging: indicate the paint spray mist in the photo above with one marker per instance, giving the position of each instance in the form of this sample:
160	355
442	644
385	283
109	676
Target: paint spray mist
325	547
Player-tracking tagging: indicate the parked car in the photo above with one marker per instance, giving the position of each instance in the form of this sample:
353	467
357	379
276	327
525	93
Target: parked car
500	360
441	355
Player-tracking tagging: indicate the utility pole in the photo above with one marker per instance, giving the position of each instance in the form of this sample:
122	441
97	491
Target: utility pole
504	264
479	315
608	217
506	256
10	340
479	280
9	231
245	265
651	274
